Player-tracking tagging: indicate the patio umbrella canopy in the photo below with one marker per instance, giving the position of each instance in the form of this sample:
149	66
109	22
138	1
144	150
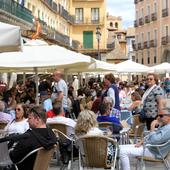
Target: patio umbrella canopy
41	57
131	67
96	66
161	68
10	38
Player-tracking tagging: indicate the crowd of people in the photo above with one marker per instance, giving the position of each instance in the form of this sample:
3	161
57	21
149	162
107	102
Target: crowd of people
82	108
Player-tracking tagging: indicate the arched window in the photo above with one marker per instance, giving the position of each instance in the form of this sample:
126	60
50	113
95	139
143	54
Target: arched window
111	24
116	25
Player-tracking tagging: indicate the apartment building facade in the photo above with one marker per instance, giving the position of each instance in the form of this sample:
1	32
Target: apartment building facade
152	30
90	15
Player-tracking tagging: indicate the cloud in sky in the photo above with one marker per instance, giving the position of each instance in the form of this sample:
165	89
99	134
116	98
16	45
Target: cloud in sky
123	8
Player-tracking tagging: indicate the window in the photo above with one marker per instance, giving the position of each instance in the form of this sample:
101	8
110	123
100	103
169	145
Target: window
148	56
111	24
166	30
142	13
137	15
155	56
148	10
116	25
148	39
79	15
94	14
155	37
164	4
142	61
142	39
155	7
38	13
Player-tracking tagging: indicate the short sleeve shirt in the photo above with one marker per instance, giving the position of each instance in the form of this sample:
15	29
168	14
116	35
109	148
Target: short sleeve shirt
151	102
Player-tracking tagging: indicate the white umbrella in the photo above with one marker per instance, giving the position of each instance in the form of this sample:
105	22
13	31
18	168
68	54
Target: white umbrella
96	66
129	66
42	57
10	37
161	68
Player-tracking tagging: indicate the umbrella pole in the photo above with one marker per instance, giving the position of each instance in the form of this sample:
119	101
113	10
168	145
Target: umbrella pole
36	82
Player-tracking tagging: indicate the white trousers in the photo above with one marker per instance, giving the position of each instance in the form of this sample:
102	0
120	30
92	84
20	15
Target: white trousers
127	151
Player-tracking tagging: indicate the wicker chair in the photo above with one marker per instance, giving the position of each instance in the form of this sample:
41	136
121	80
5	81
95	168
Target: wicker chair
164	160
42	160
93	152
61	130
2	125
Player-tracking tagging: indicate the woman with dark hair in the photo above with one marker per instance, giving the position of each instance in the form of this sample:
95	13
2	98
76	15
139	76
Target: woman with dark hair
111	90
19	124
151	100
136	102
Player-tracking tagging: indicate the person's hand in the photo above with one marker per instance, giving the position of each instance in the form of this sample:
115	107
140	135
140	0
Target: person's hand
154	124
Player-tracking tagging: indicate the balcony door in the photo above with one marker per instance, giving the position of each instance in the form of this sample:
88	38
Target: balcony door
88	39
95	15
79	15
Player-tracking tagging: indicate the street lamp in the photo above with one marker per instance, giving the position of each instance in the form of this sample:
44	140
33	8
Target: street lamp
98	37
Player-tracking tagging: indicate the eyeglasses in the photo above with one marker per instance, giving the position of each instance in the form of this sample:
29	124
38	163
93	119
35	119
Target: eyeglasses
18	109
150	79
161	116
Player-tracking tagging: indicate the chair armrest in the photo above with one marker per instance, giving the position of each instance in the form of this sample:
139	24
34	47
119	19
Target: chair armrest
160	145
30	153
58	131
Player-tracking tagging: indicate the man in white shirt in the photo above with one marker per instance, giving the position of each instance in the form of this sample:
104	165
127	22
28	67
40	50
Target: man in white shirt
60	90
59	118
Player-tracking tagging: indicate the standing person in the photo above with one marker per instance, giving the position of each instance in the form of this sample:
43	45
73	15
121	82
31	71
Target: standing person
151	100
37	136
60	90
111	90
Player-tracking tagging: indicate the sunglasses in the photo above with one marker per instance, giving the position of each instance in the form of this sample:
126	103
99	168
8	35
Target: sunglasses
18	109
149	79
161	116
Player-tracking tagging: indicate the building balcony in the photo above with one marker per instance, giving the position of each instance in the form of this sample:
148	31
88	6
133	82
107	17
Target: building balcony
134	46
147	19
153	43
53	35
146	44
12	7
141	21
165	12
135	23
52	5
89	21
165	40
88	0
65	14
154	16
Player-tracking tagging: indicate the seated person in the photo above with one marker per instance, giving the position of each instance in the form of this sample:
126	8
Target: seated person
51	113
157	136
37	136
59	118
20	123
4	117
104	111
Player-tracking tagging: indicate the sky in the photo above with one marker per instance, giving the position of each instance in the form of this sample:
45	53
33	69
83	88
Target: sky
123	8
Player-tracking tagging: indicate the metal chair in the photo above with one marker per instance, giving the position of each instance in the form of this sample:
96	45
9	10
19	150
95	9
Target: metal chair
42	159
162	159
61	130
93	152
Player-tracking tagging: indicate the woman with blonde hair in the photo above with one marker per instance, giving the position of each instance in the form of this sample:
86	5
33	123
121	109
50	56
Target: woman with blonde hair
87	124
